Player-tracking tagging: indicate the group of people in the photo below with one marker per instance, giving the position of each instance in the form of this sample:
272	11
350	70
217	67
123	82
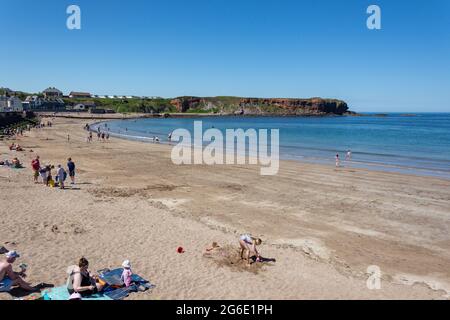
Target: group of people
14	163
101	135
348	157
45	172
81	282
15	147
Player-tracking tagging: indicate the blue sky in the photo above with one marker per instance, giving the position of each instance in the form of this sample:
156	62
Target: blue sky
256	48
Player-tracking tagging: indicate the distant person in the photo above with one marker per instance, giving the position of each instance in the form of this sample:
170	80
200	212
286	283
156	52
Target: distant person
68	138
44	174
9	278
103	136
337	160
71	168
247	242
348	156
169	137
157	139
35	165
61	174
98	136
107	137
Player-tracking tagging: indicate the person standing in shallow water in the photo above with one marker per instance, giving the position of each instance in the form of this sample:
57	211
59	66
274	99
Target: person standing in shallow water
337	160
348	157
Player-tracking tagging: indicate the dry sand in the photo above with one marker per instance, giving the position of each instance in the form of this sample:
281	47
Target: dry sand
323	225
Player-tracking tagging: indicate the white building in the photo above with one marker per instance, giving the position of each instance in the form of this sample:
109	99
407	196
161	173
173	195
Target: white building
15	104
33	102
11	104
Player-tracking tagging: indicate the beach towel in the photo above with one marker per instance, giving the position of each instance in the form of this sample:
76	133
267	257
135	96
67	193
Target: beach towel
61	293
5	284
116	288
120	293
113	277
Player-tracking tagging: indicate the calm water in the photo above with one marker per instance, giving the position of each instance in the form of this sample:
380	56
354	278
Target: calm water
417	144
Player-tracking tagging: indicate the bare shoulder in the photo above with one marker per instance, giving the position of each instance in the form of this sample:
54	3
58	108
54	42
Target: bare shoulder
4	265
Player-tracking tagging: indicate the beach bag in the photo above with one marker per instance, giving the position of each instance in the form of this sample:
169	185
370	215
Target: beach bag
70	272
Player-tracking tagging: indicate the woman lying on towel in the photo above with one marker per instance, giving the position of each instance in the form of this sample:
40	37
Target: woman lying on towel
81	281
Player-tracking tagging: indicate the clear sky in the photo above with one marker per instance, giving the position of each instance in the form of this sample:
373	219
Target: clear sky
255	48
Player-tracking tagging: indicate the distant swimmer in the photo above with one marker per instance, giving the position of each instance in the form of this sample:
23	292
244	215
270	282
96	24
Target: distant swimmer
349	155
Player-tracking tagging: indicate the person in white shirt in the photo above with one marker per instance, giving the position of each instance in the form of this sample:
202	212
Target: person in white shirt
61	173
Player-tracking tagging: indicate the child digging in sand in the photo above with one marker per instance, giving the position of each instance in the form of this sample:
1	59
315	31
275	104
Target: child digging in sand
247	242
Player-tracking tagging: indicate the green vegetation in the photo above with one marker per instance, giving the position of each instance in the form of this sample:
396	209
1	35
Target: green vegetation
128	105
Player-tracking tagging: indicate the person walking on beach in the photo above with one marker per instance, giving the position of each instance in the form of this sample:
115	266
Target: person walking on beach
337	160
348	157
44	171
35	165
61	174
71	167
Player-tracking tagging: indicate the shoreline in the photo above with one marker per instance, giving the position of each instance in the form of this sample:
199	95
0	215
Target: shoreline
373	166
131	116
324	226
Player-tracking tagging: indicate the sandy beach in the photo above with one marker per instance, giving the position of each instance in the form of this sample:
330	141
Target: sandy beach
324	226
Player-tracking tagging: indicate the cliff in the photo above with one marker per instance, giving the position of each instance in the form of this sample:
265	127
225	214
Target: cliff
260	106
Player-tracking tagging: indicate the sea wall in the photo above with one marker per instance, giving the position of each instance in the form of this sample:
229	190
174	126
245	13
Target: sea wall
12	118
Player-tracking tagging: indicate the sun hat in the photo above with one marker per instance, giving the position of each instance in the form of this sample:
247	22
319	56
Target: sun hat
126	264
12	254
75	296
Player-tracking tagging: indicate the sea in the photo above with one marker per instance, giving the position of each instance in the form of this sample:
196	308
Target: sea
416	143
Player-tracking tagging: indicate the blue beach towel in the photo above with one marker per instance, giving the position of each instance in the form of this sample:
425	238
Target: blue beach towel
61	293
112	277
5	284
